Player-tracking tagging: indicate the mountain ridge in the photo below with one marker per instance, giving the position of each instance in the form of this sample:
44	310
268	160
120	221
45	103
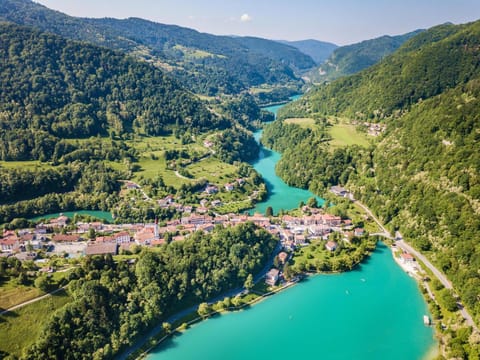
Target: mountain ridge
241	63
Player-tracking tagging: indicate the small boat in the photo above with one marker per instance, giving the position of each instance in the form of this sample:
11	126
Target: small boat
426	320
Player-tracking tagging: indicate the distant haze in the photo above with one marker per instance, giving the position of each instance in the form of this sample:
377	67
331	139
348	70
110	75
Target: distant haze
341	22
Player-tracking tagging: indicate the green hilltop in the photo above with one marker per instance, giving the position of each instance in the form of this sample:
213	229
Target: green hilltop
439	59
421	174
350	59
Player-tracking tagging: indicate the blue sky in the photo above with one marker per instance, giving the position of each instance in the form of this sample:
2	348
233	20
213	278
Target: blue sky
339	21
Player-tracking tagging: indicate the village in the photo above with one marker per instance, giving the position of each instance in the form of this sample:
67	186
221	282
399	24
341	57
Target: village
113	238
60	237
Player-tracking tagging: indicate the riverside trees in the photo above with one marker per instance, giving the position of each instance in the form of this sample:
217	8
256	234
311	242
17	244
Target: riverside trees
113	302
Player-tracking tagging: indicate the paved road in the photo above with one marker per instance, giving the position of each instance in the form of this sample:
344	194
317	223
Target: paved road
439	275
386	233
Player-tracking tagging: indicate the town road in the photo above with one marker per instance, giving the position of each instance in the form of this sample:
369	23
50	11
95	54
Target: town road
439	275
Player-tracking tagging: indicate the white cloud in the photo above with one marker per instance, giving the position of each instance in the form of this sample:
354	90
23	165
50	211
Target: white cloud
245	18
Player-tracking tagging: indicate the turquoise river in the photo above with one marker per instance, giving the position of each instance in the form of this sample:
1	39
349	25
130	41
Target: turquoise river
373	312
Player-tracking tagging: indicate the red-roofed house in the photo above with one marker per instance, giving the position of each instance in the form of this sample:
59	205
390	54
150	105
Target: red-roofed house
407	258
331	245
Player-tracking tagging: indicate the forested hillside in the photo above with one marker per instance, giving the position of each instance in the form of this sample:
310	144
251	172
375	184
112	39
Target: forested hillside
350	59
52	89
114	302
427	184
423	175
439	59
206	63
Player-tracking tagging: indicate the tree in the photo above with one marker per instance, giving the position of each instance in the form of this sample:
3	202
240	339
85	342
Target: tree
22	279
91	233
167	327
43	283
312	202
249	284
204	309
269	211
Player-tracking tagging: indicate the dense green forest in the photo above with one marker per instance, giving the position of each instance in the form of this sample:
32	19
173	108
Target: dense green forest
205	63
422	177
236	144
425	66
114	302
301	146
28	193
350	59
427	184
55	89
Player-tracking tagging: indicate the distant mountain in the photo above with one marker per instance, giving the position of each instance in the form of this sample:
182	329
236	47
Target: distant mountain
427	65
52	88
205	63
347	60
319	51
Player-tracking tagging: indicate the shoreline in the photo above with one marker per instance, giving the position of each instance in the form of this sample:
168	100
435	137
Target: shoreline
153	343
180	328
413	272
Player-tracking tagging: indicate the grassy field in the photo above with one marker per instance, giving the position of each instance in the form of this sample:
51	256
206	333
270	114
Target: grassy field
12	294
213	170
307	123
152	161
22	327
316	250
344	134
24	165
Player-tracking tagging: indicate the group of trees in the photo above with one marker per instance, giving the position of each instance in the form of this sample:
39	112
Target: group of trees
245	111
113	302
422	176
76	186
307	161
58	88
236	144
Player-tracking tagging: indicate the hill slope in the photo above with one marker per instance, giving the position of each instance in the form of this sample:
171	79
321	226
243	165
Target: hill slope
350	59
205	63
54	88
319	51
427	65
423	175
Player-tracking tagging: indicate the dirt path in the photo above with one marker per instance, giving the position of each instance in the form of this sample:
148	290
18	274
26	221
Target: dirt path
13	308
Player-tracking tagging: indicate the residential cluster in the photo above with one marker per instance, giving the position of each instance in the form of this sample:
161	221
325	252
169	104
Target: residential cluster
53	238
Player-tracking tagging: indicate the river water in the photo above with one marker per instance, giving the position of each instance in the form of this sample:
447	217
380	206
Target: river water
373	312
280	195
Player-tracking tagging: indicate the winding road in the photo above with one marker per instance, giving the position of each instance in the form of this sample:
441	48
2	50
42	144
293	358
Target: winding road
405	247
440	276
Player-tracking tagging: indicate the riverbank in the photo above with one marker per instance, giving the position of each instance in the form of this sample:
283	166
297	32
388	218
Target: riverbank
244	299
182	324
317	315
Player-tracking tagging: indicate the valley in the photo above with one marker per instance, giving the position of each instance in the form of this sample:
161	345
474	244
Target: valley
154	176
